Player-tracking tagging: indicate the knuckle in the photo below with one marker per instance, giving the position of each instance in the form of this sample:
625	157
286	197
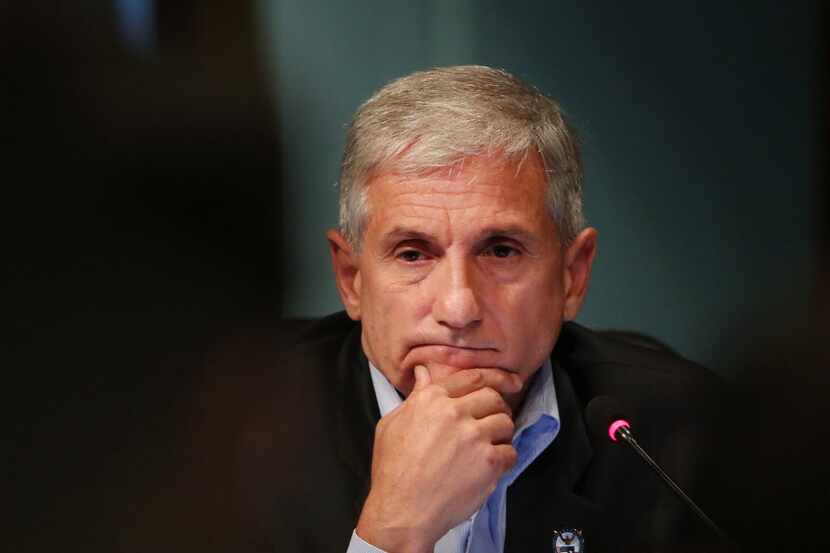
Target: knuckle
453	411
431	393
511	458
477	435
492	394
502	422
499	377
492	458
501	459
470	431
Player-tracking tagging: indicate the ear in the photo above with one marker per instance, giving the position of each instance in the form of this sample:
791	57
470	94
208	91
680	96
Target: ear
579	258
346	272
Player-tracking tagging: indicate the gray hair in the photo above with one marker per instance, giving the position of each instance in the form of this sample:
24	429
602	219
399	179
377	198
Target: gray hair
435	119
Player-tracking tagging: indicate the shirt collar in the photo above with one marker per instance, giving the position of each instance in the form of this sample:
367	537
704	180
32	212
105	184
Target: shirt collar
386	394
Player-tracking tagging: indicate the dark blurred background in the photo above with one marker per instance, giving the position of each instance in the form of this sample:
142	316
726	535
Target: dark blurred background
141	179
169	168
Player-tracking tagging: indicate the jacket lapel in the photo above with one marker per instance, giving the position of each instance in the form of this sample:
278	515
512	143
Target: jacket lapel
356	415
547	493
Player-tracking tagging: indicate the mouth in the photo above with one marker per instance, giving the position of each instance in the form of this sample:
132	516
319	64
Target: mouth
455	345
460	356
452	348
463	348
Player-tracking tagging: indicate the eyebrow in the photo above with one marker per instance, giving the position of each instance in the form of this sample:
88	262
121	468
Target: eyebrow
404	233
511	231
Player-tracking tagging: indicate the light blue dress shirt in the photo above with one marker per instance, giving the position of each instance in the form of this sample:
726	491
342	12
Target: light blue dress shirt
536	427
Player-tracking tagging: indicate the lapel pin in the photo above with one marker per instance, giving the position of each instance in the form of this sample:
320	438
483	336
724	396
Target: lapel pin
568	540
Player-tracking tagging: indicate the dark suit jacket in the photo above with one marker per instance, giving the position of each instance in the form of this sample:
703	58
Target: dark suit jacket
306	454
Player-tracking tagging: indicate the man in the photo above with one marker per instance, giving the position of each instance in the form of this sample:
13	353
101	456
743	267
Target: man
448	407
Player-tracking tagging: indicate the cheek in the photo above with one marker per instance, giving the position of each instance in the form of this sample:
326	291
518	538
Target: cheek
534	300
389	315
400	303
531	317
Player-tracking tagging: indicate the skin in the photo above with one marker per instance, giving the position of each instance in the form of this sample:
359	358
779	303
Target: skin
462	285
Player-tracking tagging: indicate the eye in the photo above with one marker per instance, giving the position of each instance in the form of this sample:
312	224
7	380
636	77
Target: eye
501	251
410	256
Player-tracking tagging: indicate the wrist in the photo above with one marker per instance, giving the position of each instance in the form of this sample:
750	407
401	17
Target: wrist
390	535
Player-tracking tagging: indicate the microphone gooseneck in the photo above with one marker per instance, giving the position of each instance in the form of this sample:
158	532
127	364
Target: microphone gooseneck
604	414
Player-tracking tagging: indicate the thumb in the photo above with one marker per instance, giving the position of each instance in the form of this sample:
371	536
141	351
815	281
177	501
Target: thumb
422	378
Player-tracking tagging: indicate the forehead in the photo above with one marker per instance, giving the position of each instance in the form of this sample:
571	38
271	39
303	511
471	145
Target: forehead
479	191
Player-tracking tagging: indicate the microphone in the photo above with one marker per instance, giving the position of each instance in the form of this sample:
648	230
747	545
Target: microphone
605	415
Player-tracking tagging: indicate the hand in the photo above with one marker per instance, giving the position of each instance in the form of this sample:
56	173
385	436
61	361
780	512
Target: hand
437	457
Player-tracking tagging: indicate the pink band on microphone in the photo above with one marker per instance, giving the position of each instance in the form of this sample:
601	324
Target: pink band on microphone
616	425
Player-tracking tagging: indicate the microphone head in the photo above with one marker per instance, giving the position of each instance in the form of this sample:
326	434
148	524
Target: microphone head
606	417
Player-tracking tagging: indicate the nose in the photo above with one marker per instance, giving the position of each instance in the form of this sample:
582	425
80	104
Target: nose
456	302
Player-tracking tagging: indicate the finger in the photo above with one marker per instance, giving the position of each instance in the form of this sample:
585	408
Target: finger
422	379
483	402
503	457
498	428
465	381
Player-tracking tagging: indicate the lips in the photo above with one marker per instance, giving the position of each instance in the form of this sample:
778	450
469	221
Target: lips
474	345
462	357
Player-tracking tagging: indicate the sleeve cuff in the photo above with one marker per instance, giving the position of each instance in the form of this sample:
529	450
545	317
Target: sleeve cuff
357	545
